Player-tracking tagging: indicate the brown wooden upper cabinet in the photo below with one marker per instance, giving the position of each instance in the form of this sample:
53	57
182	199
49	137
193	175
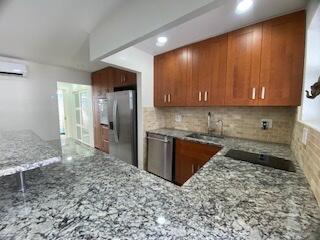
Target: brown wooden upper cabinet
243	66
259	65
207	72
171	78
282	60
123	78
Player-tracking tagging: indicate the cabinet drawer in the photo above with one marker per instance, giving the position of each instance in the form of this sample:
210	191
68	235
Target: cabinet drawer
105	133
105	146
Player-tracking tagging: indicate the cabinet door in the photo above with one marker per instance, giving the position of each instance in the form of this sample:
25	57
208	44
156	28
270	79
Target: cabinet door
105	139
170	78
200	73
122	78
219	50
107	81
97	137
243	66
159	80
282	60
130	79
207	72
97	84
97	126
190	157
177	77
184	164
117	77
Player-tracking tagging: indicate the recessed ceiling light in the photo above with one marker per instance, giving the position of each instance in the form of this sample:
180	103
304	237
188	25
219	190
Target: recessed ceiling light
243	6
161	41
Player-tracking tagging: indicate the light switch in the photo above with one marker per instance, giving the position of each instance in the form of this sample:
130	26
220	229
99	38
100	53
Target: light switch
305	136
178	118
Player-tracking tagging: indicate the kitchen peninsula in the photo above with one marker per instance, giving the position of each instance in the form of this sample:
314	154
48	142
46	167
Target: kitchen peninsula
21	151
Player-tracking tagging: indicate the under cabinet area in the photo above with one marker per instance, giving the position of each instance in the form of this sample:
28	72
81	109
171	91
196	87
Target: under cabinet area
258	65
190	157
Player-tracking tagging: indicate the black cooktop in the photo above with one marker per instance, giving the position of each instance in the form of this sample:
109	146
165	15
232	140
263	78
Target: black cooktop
262	159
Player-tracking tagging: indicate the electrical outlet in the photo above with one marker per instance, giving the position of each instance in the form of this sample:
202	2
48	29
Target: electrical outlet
266	124
178	118
305	136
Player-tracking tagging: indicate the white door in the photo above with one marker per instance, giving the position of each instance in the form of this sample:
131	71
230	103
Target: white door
82	108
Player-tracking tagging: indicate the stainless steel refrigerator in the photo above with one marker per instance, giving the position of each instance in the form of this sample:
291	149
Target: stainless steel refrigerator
118	111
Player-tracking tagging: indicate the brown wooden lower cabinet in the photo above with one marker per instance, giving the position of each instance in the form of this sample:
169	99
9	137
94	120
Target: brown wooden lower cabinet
190	157
105	146
105	139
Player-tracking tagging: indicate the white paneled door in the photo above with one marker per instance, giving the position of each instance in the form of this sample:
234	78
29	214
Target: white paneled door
82	115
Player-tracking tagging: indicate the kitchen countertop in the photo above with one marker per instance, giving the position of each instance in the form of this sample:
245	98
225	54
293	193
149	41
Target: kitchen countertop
91	195
23	150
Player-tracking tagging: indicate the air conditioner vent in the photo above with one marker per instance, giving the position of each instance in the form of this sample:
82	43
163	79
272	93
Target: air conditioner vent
14	69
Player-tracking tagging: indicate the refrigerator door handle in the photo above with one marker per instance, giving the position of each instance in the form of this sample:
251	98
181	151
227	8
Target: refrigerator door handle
115	121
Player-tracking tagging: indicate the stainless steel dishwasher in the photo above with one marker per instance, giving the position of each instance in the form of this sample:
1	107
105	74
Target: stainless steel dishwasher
160	155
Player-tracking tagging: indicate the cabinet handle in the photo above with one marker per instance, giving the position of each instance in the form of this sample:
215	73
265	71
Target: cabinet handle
200	97
253	93
205	96
263	93
192	169
165	98
124	78
169	97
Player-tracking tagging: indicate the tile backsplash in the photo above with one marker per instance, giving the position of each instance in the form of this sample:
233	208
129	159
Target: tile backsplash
308	155
242	122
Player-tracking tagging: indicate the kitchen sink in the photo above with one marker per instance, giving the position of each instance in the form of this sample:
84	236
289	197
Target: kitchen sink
204	136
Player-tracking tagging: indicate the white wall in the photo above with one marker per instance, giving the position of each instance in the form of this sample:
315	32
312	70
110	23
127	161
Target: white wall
31	102
141	62
311	107
140	19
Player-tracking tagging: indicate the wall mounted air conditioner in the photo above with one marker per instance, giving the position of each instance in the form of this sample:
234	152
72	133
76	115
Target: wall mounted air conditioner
14	69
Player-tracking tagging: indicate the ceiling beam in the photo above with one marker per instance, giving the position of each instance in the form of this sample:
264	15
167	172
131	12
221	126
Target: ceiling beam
138	20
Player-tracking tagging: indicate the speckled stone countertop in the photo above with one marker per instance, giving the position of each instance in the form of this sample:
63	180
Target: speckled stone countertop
24	150
91	195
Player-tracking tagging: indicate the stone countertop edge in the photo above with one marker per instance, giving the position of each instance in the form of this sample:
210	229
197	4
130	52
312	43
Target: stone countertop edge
26	166
227	143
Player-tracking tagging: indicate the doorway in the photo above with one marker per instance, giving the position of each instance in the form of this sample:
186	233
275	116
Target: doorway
62	114
75	112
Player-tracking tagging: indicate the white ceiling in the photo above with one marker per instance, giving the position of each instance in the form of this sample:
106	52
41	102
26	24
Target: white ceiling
315	23
218	21
52	31
57	32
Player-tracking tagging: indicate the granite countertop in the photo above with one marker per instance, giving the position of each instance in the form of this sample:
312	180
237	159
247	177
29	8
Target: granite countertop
91	195
24	150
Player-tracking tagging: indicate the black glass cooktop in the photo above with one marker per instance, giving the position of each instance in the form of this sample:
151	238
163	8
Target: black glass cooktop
262	159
